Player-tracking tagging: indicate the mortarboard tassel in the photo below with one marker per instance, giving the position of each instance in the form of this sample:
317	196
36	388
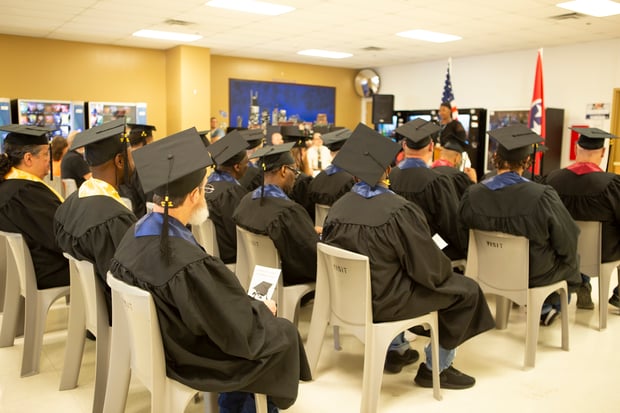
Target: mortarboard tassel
163	240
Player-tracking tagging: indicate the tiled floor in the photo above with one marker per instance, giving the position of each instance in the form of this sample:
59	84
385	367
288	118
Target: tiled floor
581	380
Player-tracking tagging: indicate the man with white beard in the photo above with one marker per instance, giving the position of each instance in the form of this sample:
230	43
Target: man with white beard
216	338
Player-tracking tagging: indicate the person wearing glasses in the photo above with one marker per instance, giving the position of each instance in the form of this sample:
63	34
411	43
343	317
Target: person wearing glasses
91	222
268	210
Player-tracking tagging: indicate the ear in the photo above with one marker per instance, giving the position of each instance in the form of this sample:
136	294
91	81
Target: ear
119	162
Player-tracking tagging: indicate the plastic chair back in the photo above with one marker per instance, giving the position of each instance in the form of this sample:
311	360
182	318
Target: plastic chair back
70	186
206	237
252	250
589	247
320	213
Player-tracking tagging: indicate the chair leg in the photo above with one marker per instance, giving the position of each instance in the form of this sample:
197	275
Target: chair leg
14	307
74	349
36	314
261	403
603	290
101	368
502	312
119	375
435	358
316	333
337	345
211	405
531	334
374	360
564	315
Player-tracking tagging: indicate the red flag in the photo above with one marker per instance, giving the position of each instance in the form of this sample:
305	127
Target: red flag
536	118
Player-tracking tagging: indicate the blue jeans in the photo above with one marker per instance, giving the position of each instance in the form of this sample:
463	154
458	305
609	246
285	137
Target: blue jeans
446	357
399	344
241	402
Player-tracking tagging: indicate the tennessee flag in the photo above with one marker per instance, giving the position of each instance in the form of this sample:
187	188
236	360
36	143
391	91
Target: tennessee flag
536	118
448	95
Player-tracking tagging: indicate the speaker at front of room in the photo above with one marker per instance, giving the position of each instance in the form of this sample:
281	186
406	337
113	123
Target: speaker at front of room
382	108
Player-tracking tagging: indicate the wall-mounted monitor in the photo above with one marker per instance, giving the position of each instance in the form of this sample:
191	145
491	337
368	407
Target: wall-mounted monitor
65	116
387	129
102	112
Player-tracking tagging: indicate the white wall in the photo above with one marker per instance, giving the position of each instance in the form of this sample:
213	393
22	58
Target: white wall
573	76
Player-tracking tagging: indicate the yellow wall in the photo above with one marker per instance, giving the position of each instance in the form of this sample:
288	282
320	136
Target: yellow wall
178	85
223	68
35	68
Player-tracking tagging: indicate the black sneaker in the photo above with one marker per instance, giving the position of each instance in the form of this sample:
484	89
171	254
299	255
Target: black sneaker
420	331
394	361
548	318
450	378
615	300
584	298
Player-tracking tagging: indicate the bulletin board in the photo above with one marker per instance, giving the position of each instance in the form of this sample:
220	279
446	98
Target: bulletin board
303	101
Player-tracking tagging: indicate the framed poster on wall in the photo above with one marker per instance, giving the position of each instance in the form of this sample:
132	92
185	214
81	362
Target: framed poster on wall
255	102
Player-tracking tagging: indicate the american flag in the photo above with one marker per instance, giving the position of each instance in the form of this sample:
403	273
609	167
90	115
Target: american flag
448	95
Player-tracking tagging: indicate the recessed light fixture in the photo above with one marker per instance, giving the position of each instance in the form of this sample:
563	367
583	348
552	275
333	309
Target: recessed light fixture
596	8
156	34
429	36
251	6
324	53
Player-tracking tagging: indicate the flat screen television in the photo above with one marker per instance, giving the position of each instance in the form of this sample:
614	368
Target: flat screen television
387	129
102	112
65	116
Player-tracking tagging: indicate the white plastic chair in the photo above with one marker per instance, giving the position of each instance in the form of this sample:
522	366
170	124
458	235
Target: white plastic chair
137	349
56	183
500	264
88	311
21	282
255	249
589	249
320	213
149	207
127	203
70	186
2	272
343	298
206	236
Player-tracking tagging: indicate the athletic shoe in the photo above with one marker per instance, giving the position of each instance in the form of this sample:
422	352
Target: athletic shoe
394	361
450	378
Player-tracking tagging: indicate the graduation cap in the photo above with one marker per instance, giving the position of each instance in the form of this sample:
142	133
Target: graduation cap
366	154
262	288
254	137
295	135
592	138
229	150
172	167
456	143
203	135
26	134
515	141
418	132
452	131
102	142
334	140
139	132
274	156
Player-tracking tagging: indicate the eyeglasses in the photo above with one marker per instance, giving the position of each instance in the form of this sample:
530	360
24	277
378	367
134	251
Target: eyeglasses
208	188
296	171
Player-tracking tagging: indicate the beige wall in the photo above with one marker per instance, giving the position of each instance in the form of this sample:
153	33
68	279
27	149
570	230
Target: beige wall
182	86
223	68
35	68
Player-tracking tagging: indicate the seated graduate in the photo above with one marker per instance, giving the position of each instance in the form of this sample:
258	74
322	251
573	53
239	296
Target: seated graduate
515	205
451	159
269	211
73	166
139	135
410	275
28	204
333	182
90	224
252	178
300	192
591	194
432	191
229	154
216	338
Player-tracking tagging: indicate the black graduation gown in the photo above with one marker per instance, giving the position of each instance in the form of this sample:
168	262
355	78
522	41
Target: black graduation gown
290	228
326	189
222	203
28	207
301	194
91	229
73	166
459	179
216	338
592	197
435	194
133	191
410	275
252	178
536	212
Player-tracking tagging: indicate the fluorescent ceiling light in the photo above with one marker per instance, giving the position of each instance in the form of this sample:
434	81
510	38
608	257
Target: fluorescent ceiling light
324	53
251	6
596	8
429	36
156	34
